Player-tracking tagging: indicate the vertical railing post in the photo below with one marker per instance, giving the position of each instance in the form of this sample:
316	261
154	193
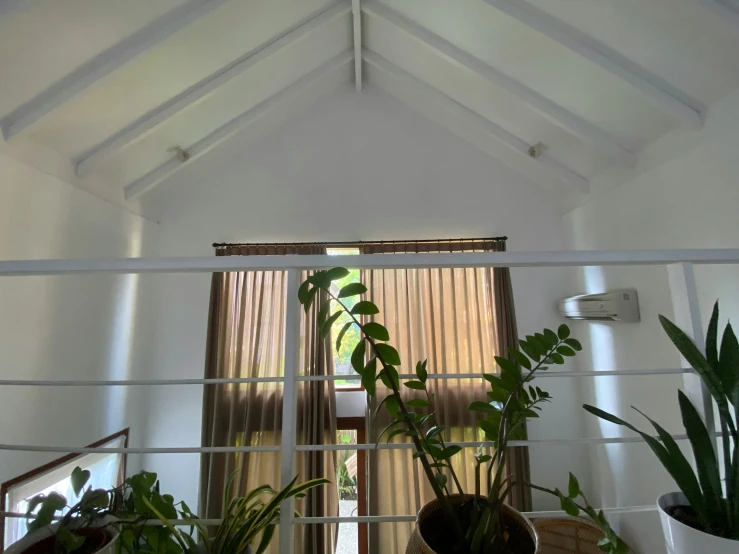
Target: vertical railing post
687	316
289	403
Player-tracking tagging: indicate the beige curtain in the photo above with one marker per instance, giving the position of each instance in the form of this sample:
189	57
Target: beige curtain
458	319
246	339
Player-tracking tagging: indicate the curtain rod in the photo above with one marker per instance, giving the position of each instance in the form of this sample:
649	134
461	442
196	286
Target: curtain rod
355	243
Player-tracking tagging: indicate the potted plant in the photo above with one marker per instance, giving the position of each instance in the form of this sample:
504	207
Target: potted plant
246	520
456	522
84	529
704	516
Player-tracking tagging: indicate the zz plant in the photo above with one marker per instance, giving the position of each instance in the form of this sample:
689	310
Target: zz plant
713	507
513	399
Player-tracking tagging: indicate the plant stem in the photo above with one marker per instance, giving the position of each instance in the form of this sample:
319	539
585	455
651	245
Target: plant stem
415	432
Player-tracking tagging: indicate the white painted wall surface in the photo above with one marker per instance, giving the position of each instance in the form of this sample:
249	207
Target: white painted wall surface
688	201
356	166
73	327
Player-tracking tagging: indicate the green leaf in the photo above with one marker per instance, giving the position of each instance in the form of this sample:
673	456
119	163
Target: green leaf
705	459
352	289
417	403
694	357
304	292
551	336
574	344
395	434
388	354
389	377
387	428
365	308
490	428
530	350
326	327
357	358
369	376
712	338
569	506
375	331
341	334
556	358
519	358
566	351
79	479
337	273
448	452
507	366
434	431
728	363
563	332
392	406
415	385
484	407
481	458
573	487
421	372
498	383
440	479
323	312
320	279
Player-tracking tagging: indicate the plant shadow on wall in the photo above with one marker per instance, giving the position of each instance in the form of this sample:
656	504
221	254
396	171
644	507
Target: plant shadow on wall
478	522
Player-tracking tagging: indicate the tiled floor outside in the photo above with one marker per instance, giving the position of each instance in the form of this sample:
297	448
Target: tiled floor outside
348	538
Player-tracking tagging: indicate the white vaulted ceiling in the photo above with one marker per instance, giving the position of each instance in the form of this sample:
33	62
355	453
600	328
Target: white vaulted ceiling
114	88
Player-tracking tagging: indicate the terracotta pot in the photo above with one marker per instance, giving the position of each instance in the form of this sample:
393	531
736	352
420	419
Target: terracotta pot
417	544
682	539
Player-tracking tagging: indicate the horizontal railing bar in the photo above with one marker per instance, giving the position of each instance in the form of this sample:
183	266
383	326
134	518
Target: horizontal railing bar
303	378
137	382
309	447
377	261
364	519
405	518
130	450
474	444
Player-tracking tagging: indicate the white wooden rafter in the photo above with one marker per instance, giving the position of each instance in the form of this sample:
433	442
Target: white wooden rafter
150	121
724	9
27	115
236	125
357	27
658	91
495	131
555	113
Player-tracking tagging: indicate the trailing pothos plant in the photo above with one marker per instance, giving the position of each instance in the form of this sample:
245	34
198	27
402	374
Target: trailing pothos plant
512	400
713	508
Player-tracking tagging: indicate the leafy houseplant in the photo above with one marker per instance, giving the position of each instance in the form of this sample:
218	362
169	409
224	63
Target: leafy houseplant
477	523
246	519
707	505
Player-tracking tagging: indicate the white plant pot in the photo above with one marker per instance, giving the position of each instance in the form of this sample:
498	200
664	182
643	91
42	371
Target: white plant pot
682	539
30	539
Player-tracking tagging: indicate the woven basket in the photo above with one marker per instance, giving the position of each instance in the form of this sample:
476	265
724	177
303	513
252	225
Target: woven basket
416	544
568	536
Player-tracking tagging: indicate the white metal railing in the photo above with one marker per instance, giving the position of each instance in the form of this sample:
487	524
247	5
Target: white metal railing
682	285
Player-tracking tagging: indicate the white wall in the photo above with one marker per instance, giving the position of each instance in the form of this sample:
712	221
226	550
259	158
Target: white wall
355	166
72	327
688	201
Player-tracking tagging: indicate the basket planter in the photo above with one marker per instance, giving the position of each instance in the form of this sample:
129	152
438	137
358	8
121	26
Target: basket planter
682	539
100	541
430	516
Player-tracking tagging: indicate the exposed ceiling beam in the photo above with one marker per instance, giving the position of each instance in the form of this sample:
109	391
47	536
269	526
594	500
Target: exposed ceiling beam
493	130
28	114
357	20
147	123
296	90
662	94
555	113
724	9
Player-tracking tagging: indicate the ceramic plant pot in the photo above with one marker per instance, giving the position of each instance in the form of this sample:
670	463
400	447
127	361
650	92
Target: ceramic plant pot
682	539
430	517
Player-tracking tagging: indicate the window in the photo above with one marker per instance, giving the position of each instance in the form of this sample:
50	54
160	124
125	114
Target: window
342	358
106	471
351	479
